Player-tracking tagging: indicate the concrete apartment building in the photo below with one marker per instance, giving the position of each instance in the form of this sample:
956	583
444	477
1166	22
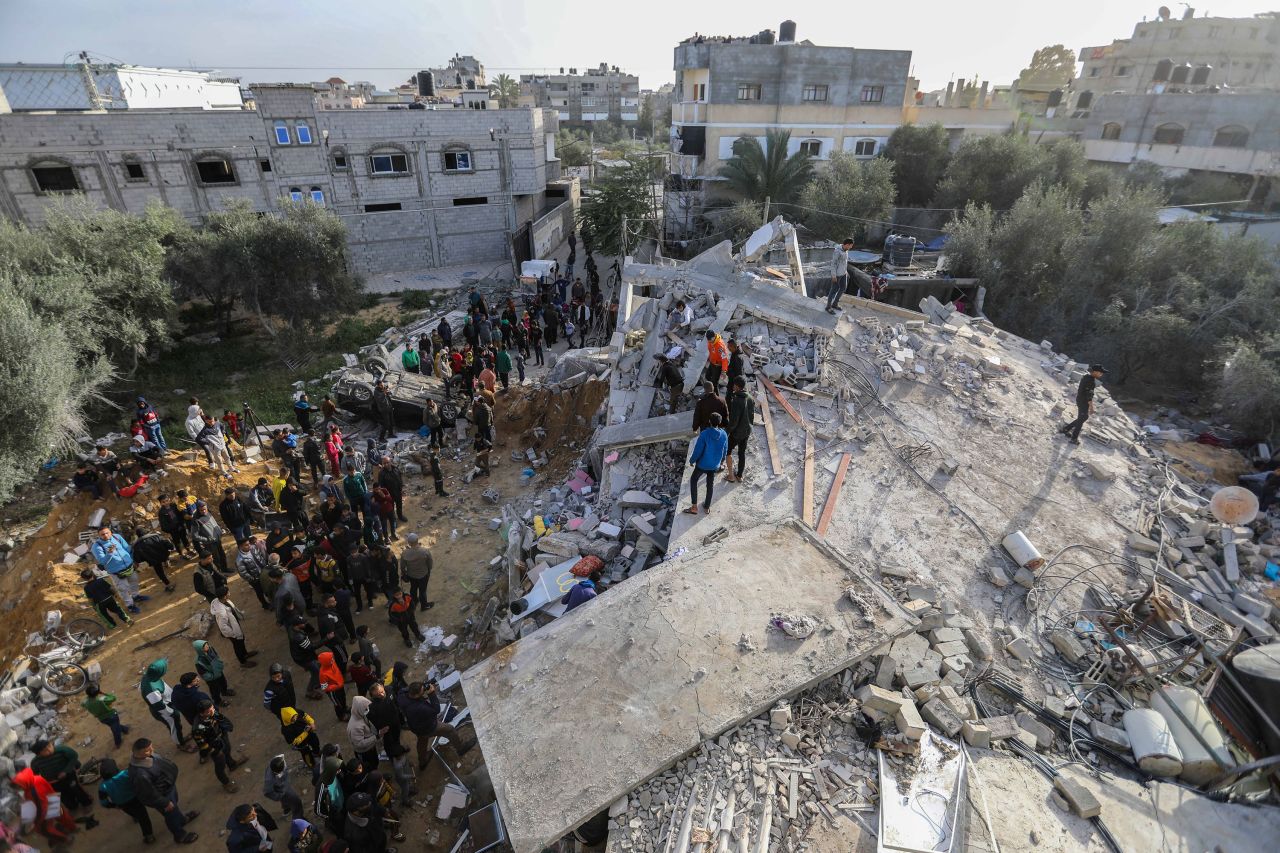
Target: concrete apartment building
337	94
416	188
1191	95
460	74
604	93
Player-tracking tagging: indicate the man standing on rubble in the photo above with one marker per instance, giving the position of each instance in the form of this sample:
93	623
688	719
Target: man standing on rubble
710	404
717	357
384	411
708	455
669	375
742	415
1084	402
839	274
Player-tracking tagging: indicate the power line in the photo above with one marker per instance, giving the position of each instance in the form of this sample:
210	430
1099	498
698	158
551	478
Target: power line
859	219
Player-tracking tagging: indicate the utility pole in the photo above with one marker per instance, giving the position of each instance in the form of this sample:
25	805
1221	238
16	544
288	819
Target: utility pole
766	211
504	172
623	253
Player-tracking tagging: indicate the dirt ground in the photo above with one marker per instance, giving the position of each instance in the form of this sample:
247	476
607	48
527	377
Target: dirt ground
1204	461
462	582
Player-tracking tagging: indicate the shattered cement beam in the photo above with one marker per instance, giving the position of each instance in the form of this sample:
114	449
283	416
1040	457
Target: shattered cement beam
647	431
579	713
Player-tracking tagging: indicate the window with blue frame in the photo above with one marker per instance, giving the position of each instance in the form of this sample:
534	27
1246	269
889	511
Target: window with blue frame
304	134
282	134
295	194
317	195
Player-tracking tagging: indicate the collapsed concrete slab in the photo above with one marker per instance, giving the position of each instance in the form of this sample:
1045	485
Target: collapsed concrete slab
579	713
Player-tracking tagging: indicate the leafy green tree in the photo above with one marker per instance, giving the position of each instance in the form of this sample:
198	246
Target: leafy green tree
754	173
291	267
1207	188
506	89
848	190
994	170
624	194
46	384
1248	389
738	222
572	148
1052	66
919	154
116	299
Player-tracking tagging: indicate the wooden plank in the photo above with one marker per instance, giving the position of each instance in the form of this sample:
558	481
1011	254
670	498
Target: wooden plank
782	401
829	507
775	460
806	495
790	390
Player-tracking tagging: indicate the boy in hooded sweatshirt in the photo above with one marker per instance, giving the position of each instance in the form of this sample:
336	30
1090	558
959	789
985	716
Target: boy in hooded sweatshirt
159	698
333	684
363	733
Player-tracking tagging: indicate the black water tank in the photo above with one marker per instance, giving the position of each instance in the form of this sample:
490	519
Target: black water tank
426	84
1055	98
787	31
765	37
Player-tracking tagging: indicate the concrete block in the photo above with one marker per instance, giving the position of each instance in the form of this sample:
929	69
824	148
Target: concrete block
879	699
908	721
1109	736
978	645
925	672
1043	734
976	734
791	738
609	531
941	717
637	498
1068	645
956	663
1251	604
780	717
885	671
950	649
1142	544
997	575
945	635
641	526
1002	727
1026	738
1081	801
1020	649
1025	577
1190	542
1056	706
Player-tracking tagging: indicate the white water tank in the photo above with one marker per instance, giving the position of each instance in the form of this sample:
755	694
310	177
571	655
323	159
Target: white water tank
1198	764
1022	551
1153	744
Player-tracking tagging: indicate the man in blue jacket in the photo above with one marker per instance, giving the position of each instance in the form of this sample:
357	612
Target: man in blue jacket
114	557
708	455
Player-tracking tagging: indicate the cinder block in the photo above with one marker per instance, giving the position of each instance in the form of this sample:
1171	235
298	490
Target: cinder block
1002	727
908	721
1043	734
976	734
1068	645
879	699
885	672
942	718
945	635
1078	797
1109	736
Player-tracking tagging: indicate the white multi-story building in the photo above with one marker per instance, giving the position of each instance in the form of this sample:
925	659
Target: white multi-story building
93	86
603	93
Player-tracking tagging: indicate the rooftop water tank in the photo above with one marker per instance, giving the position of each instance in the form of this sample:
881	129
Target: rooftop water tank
764	37
786	32
902	251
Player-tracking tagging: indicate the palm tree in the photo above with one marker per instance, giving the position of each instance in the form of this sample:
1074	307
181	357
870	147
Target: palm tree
506	89
755	173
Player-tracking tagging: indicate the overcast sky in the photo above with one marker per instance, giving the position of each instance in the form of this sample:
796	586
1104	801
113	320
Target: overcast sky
385	40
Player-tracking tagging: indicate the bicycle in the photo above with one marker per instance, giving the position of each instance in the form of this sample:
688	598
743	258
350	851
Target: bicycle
59	668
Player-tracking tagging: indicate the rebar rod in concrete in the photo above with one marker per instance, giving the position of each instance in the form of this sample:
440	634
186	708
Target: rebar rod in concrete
726	822
686	826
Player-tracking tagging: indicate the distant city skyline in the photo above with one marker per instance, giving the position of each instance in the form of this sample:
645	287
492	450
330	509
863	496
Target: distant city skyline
280	41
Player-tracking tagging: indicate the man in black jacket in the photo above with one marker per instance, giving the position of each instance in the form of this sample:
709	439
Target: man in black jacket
384	713
390	478
302	648
211	732
420	705
1084	402
235	514
742	415
293	502
279	693
670	376
383	411
208	582
153	549
155	784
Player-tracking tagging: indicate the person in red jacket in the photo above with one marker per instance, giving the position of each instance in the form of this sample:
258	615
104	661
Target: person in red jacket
333	684
37	790
717	357
400	610
385	505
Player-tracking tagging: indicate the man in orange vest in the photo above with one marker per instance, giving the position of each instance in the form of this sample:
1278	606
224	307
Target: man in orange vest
717	357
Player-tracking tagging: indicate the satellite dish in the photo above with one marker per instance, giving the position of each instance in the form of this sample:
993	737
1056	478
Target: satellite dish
1234	505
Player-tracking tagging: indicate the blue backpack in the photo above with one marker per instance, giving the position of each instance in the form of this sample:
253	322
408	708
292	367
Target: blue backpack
116	791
